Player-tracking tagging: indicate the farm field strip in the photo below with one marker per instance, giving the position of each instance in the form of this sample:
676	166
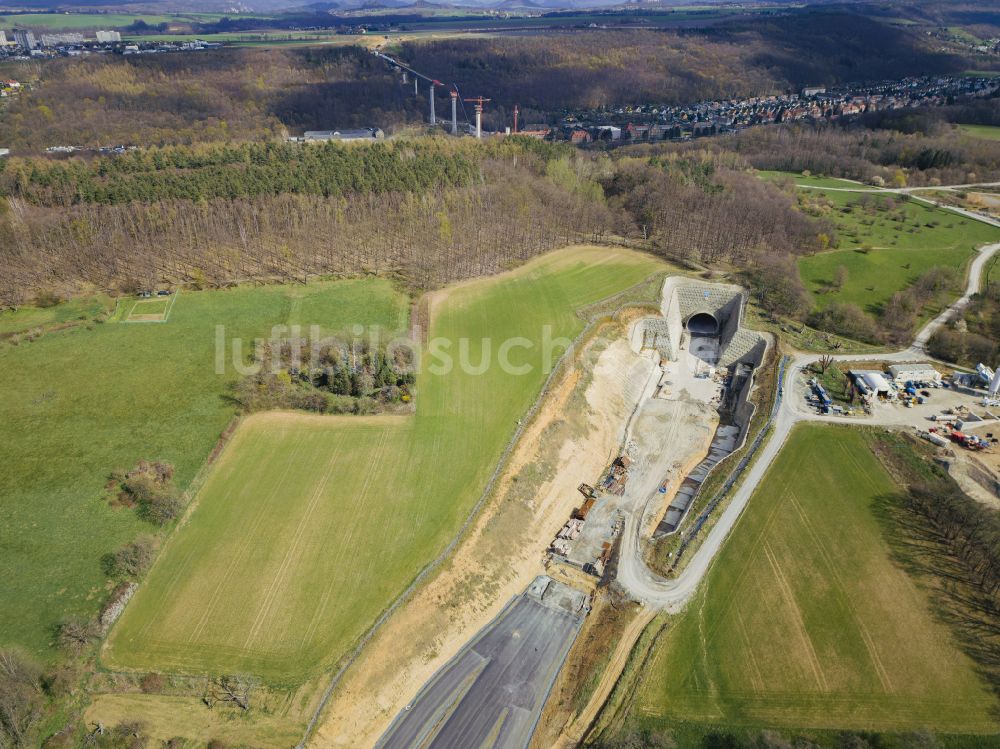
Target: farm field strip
292	553
81	401
804	612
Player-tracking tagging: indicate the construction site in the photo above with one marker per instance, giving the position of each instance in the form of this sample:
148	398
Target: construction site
694	410
677	384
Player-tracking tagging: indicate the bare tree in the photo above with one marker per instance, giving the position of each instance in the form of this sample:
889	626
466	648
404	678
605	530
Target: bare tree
20	699
76	634
234	689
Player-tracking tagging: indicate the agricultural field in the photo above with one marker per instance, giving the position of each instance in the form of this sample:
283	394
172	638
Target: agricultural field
86	21
989	132
82	401
885	243
308	526
806	621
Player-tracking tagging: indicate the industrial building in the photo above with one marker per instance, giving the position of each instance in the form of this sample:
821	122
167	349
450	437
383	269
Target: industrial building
903	373
363	133
872	383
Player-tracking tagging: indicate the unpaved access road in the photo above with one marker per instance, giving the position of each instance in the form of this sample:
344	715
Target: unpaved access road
672	595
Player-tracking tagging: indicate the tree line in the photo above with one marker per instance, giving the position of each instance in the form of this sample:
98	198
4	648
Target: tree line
427	238
247	171
933	152
975	336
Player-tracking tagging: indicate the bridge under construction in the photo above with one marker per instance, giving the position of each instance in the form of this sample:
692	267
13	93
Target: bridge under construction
433	84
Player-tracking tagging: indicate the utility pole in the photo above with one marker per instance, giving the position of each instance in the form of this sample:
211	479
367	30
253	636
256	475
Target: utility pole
479	101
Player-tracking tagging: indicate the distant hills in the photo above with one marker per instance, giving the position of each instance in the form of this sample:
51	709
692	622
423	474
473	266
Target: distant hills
278	6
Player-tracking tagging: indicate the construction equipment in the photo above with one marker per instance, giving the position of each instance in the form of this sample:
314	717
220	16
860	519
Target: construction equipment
584	509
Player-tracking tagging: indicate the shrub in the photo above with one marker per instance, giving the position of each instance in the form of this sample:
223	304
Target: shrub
61	681
75	634
152	683
161	508
149	486
132	560
846	319
47	299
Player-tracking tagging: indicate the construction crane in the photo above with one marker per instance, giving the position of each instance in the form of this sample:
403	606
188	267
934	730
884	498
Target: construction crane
455	94
478	101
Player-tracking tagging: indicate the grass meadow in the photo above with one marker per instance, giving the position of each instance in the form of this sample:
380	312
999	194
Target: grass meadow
79	402
308	527
73	312
806	622
989	132
886	247
813	180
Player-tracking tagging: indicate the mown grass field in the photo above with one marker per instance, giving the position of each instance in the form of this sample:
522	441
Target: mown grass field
990	132
308	526
885	249
78	403
805	621
147	309
813	180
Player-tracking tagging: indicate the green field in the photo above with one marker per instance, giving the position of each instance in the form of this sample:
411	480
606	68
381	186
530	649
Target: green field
309	526
989	132
145	309
72	312
813	180
80	21
901	244
80	402
805	621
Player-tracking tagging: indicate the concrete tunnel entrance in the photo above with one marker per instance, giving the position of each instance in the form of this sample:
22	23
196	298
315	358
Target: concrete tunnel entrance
703	324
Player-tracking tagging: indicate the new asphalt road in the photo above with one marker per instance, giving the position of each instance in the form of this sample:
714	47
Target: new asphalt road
492	692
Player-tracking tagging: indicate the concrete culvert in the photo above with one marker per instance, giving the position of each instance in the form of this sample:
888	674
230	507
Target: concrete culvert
702	323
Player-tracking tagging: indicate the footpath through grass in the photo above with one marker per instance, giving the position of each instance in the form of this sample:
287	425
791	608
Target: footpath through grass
308	527
78	403
806	622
